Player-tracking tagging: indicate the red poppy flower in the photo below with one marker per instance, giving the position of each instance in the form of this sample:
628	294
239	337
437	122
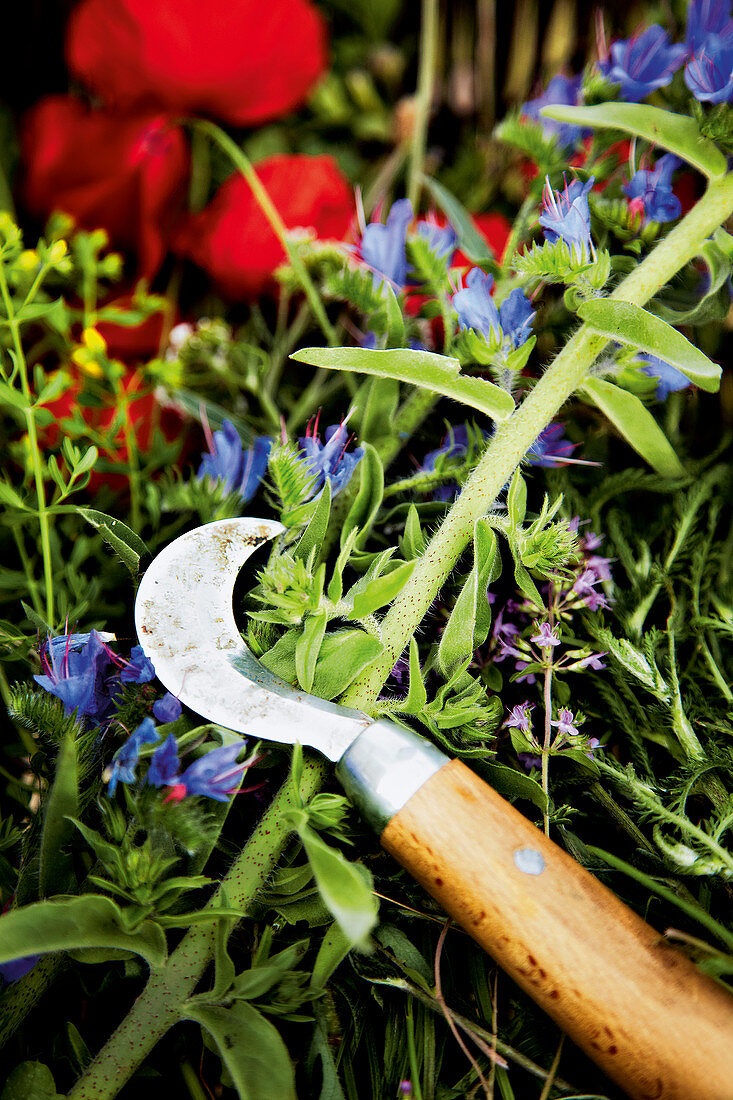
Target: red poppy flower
125	173
232	240
238	60
130	343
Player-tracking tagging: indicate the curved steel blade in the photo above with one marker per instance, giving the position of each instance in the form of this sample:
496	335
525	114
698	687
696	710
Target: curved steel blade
185	623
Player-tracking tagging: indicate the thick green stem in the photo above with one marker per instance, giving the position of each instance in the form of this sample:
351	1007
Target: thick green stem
279	228
158	1007
514	437
35	453
424	97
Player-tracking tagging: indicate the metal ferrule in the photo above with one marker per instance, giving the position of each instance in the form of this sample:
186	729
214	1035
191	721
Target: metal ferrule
383	768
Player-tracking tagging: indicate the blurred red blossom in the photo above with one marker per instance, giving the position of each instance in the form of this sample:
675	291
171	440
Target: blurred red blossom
240	61
131	342
232	241
126	173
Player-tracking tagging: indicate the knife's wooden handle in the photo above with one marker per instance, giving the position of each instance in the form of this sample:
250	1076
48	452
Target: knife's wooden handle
636	1005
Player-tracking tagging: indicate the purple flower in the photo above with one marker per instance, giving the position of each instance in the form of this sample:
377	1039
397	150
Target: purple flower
168	708
122	769
238	470
139	669
520	717
593	660
454	445
565	723
705	18
441	238
547	636
516	316
651	191
383	246
163	770
669	379
14	969
709	74
550	447
529	761
475	306
643	63
584	589
560	90
76	670
567	216
214	775
330	462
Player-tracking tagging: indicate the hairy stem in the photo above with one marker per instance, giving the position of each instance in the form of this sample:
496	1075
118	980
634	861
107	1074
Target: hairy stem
514	437
158	1007
423	99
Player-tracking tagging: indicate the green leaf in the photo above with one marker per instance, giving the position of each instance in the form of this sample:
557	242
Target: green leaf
334	948
514	784
308	647
636	424
630	324
516	500
470	240
470	620
417	695
375	405
381	591
30	1081
55	314
345	887
678	133
316	530
129	546
368	500
427	369
715	302
250	1048
9	496
10	396
62	803
395	320
342	657
86	921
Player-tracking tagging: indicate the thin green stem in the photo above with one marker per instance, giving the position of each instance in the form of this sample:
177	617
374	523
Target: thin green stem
279	228
158	1007
424	97
35	595
412	1053
133	454
545	758
34	448
514	437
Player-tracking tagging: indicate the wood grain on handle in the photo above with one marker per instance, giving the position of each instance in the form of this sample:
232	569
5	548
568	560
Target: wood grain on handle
637	1006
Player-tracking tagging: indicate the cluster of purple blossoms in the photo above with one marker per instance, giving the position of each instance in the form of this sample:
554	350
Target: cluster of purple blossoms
330	461
650	191
510	324
568	735
566	217
214	775
709	45
87	675
382	246
228	463
642	64
443	239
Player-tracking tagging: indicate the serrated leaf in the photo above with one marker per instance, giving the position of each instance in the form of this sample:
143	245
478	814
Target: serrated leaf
636	424
630	324
250	1047
677	133
438	373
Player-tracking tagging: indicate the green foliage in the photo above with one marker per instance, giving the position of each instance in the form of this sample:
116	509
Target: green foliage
636	424
290	479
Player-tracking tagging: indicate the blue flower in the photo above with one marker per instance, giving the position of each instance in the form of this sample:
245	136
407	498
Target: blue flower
560	90
550	447
454	445
706	18
383	246
122	769
238	470
709	75
441	238
139	669
567	216
330	461
168	708
516	315
163	770
13	969
643	64
651	191
668	377
475	306
76	670
215	775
